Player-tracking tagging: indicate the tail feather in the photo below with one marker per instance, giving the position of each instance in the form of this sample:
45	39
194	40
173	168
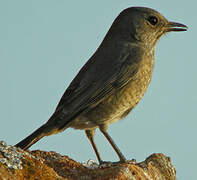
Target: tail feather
32	138
52	126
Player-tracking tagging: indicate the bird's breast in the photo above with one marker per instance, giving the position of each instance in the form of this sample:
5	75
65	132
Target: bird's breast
129	96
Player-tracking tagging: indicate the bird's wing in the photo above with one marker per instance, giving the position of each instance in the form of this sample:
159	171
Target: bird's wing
98	79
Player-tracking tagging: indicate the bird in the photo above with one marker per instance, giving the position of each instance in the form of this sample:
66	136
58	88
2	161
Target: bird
112	81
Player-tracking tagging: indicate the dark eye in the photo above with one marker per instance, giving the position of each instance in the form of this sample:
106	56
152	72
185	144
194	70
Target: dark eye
153	20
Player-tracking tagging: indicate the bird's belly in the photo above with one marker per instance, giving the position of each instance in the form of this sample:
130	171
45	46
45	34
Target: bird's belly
116	106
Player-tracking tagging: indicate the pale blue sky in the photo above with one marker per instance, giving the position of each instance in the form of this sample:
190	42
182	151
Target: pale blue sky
44	43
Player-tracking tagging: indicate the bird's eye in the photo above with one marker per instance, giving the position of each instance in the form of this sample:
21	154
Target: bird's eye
153	20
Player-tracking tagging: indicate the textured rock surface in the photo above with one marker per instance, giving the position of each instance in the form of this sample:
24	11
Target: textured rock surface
21	165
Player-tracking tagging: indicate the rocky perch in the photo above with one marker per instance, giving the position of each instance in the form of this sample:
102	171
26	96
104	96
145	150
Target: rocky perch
26	165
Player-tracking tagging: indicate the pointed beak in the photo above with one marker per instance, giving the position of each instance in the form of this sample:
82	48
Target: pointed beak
174	26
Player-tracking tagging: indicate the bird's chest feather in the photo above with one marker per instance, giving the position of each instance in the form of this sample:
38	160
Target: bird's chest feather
126	99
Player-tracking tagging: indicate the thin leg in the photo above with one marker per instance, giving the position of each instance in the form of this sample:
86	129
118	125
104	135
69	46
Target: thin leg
90	135
103	129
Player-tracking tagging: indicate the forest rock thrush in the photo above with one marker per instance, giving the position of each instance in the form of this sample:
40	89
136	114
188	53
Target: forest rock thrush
113	80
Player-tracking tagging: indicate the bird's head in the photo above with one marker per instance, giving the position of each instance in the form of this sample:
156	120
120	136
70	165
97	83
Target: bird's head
143	25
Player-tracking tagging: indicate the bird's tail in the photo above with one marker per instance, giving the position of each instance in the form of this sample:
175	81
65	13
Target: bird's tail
52	126
33	138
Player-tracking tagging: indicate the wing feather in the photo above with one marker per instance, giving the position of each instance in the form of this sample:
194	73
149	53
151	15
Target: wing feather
94	83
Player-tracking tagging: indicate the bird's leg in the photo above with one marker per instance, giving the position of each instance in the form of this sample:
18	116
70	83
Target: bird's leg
90	135
103	129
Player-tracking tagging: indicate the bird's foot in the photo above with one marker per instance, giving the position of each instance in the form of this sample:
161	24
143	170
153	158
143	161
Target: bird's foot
109	163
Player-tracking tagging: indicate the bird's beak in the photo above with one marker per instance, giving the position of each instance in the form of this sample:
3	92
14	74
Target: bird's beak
173	26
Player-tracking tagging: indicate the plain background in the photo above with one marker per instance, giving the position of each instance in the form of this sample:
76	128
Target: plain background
43	44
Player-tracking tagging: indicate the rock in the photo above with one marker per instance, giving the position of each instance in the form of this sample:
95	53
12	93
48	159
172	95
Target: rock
24	165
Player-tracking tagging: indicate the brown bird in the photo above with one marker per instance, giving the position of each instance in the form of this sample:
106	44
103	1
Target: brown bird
113	80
